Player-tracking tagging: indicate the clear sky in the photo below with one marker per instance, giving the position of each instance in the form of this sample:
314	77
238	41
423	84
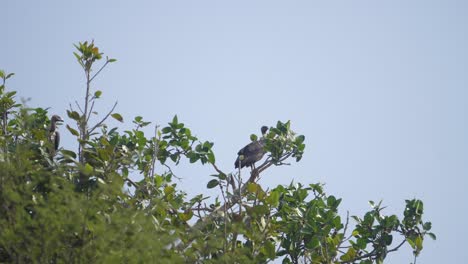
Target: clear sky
379	88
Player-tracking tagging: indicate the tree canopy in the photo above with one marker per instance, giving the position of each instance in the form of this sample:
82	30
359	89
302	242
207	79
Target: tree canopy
85	206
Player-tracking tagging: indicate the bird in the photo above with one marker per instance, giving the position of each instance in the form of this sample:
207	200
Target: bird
252	152
54	135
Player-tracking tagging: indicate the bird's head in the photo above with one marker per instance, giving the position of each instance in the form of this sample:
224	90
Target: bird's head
55	119
264	130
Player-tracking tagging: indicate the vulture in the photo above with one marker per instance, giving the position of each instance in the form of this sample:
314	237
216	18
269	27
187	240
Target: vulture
251	153
54	135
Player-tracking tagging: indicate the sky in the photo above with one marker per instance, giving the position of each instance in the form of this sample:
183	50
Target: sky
379	89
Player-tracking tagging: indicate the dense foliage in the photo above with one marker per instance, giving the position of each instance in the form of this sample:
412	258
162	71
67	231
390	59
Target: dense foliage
84	206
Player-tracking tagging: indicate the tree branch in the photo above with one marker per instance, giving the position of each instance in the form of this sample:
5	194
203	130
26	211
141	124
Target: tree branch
372	253
92	78
102	121
79	107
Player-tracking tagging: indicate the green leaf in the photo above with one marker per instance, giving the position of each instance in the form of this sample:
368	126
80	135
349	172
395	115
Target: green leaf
9	75
273	198
313	243
175	120
432	235
174	157
211	157
73	115
368	218
213	183
117	116
252	187
222	176
331	200
168	190
269	250
300	139
350	255
361	243
253	137
418	243
111	60
185	216
193	157
78	57
427	226
125	172
97	94
73	131
68	153
337	222
158	180
388	239
166	130
259	210
87	169
411	242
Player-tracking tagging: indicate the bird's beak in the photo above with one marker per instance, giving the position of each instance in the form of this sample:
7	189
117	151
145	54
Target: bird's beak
60	120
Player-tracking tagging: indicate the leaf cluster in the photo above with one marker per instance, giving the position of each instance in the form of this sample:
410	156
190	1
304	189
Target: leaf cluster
114	199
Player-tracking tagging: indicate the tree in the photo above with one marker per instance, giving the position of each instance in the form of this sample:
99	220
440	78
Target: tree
85	206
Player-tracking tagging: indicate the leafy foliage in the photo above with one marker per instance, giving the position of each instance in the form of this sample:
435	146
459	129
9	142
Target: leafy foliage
85	206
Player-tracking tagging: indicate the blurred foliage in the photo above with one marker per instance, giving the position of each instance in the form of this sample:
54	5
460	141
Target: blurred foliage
85	206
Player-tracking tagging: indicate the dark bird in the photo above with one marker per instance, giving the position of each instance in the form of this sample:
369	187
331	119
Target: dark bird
54	135
252	153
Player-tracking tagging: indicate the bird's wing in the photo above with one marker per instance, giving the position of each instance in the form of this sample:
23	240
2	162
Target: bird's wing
254	147
57	139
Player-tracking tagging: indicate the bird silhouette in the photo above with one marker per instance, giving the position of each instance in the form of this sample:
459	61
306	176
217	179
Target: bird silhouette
54	135
252	152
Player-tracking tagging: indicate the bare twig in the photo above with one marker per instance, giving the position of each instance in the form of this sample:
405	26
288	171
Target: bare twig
97	73
172	173
102	121
199	208
155	151
397	247
344	231
137	188
90	111
372	253
79	107
268	162
217	169
230	180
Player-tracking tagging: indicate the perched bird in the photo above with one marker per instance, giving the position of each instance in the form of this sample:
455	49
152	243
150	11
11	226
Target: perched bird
252	153
54	135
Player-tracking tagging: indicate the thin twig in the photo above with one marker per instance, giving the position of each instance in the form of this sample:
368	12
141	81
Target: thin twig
345	229
137	188
172	173
79	107
199	208
397	247
92	78
90	110
155	151
372	253
104	119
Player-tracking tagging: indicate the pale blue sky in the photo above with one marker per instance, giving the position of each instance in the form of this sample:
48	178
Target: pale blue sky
379	88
